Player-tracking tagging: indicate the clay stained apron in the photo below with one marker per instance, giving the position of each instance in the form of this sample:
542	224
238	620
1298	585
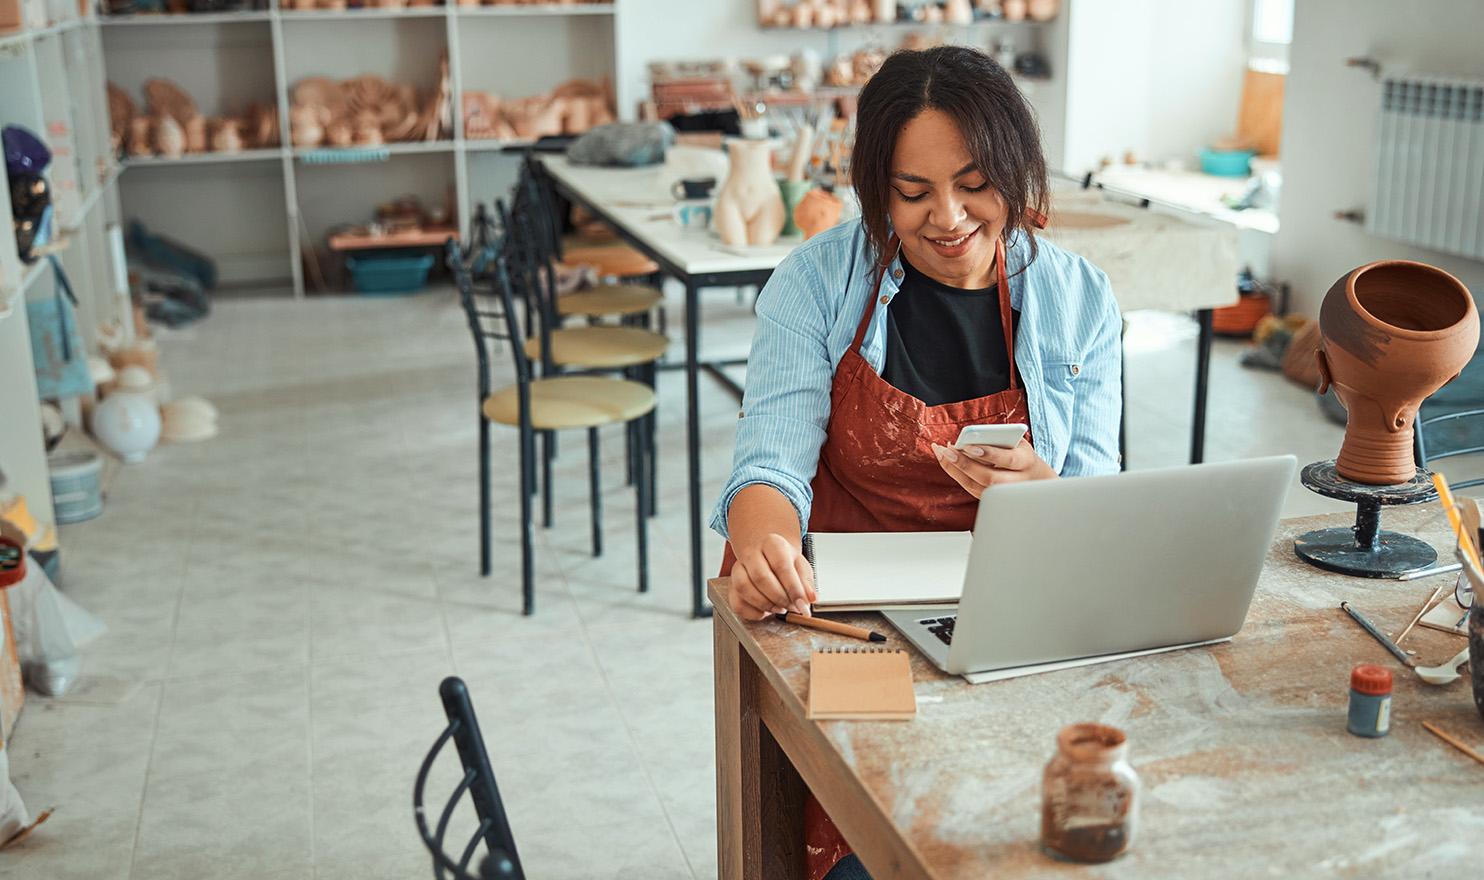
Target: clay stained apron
877	471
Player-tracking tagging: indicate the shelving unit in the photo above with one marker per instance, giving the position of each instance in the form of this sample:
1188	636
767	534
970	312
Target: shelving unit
255	217
51	82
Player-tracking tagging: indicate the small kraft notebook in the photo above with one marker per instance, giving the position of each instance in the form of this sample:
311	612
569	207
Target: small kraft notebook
867	684
867	571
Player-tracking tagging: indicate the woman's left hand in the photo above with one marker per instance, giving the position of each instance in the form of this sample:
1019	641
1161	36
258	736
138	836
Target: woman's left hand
978	467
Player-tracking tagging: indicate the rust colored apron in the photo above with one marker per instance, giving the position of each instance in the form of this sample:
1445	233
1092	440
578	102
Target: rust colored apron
877	471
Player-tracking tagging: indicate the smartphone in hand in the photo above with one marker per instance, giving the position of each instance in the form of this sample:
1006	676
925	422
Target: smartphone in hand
1003	436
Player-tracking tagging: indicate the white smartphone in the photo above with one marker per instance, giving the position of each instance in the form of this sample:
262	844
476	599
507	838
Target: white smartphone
1003	436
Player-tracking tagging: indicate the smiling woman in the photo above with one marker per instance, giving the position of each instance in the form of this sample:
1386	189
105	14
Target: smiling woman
880	339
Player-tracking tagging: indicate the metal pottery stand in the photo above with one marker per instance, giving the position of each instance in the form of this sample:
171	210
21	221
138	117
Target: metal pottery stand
1365	550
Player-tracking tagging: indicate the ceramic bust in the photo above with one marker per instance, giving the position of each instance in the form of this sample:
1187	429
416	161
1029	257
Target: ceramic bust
749	208
1391	334
816	212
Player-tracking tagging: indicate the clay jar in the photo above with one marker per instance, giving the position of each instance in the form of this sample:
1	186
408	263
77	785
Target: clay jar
749	208
1090	795
305	127
1391	334
170	138
816	212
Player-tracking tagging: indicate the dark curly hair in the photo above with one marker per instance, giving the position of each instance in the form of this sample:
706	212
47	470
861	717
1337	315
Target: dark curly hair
996	123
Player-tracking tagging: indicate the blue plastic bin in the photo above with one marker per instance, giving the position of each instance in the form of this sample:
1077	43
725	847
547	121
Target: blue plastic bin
1227	163
387	274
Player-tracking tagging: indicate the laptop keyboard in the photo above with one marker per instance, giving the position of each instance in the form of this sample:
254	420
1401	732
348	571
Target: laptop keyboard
942	627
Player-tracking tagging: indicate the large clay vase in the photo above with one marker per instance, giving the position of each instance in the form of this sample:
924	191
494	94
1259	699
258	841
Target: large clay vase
1391	334
749	208
128	423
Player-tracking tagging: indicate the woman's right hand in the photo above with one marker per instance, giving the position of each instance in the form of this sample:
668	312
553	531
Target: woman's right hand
771	577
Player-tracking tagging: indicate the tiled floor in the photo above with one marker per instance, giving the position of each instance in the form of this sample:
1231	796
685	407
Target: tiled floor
291	593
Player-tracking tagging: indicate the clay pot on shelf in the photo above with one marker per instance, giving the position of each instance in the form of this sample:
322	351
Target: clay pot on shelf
170	139
139	137
1391	334
195	134
305	127
958	12
816	212
1043	10
1015	10
886	10
227	138
749	207
341	133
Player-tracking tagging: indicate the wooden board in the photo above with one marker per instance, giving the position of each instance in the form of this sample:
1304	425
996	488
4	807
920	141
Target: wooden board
1261	117
433	236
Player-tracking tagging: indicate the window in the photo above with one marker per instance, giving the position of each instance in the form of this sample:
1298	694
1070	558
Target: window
1272	32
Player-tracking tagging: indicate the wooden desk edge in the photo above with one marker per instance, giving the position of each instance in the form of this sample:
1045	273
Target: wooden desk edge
863	820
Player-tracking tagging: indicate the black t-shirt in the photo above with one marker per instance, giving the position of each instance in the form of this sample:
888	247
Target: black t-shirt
945	344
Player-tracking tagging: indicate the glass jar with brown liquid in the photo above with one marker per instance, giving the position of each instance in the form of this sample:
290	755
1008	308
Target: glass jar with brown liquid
1090	795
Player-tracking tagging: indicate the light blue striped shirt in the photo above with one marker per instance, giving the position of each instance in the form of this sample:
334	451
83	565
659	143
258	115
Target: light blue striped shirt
1066	348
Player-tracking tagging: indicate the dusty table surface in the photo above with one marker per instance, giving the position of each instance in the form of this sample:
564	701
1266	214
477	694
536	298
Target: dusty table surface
1246	764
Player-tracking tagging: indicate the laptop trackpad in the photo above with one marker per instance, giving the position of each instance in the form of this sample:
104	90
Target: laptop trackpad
1018	671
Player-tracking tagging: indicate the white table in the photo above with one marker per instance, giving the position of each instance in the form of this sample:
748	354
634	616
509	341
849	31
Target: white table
636	202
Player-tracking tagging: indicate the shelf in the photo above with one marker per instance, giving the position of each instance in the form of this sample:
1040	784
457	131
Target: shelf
547	9
181	18
494	145
397	149
93	198
365	14
859	25
204	158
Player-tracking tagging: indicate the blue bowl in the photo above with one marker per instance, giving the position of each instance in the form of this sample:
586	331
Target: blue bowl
1227	163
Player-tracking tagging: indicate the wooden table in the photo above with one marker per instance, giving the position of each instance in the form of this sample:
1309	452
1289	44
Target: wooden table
1247	768
431	236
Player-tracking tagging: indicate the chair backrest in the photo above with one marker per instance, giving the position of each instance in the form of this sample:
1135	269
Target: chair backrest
501	861
491	315
1442	436
536	276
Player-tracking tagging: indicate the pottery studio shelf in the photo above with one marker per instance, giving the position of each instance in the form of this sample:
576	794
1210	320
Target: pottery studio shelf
262	155
527	10
329	154
185	18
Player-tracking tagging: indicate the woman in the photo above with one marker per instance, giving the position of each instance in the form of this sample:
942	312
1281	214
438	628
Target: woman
879	339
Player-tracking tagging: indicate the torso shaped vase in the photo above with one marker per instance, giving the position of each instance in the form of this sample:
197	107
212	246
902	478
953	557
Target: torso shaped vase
1391	334
749	207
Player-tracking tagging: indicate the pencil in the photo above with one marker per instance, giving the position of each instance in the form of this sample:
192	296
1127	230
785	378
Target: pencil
1454	743
1386	643
843	629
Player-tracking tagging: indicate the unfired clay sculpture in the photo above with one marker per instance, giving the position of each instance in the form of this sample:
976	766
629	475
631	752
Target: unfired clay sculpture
749	208
1392	333
170	139
195	134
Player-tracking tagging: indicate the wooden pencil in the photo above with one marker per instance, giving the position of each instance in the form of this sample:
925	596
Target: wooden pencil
1454	743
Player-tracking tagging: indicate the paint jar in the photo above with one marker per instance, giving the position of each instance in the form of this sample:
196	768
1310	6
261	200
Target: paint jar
1370	701
1089	795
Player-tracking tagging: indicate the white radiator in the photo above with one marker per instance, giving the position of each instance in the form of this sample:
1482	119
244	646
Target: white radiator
1429	178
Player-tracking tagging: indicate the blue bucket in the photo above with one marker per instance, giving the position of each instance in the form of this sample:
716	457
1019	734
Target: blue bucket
388	275
1227	163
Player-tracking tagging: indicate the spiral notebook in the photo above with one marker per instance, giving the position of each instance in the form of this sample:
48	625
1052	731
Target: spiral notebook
868	684
867	571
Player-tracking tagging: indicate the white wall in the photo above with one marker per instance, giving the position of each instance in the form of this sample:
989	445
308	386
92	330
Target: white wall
1328	125
1162	78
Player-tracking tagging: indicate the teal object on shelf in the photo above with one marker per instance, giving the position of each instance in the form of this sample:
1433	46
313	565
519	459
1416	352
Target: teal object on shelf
389	275
1227	163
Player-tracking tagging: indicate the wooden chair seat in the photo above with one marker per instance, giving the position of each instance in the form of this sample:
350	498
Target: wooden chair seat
610	299
598	348
573	402
619	261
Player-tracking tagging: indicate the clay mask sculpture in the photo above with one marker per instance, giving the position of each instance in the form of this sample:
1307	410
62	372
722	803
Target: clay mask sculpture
749	208
1392	333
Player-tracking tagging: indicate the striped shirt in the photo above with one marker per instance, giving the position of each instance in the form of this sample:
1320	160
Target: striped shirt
1067	351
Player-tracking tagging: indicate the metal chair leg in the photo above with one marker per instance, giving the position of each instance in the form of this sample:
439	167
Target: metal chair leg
546	454
595	490
527	563
641	505
486	528
651	425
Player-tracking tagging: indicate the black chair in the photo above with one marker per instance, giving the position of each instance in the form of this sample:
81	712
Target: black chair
547	405
500	862
1448	434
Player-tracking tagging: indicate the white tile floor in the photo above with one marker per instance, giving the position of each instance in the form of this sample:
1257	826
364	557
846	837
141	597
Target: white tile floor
291	593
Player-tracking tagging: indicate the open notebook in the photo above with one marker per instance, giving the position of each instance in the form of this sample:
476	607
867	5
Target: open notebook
864	571
870	684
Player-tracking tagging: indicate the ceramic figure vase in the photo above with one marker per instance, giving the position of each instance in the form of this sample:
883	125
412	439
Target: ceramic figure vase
816	212
749	207
1391	334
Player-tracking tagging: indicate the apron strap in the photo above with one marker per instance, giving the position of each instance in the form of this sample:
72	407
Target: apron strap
1005	316
860	331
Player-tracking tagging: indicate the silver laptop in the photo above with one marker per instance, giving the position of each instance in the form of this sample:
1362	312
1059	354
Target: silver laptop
1085	570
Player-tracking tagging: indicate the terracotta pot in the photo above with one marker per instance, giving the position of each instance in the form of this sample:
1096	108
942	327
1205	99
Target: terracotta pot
305	128
139	140
195	134
1391	334
749	208
170	139
1014	10
228	136
816	212
958	12
1043	10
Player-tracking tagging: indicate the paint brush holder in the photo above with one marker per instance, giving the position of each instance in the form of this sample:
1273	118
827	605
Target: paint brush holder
1365	549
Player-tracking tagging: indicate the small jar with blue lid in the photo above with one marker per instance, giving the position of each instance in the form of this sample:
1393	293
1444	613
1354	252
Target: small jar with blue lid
1370	701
